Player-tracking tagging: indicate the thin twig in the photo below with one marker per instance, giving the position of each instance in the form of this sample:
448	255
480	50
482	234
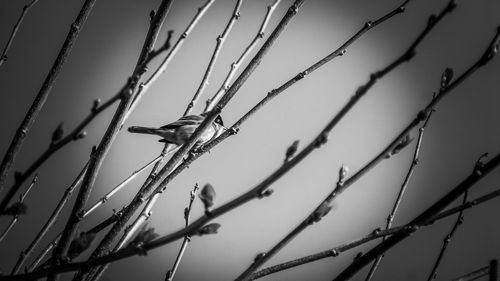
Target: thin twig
42	96
275	92
76	134
129	233
211	102
187	238
328	253
333	252
117	188
175	159
18	212
390	218
220	41
98	155
359	263
474	275
3	56
143	87
447	240
23	256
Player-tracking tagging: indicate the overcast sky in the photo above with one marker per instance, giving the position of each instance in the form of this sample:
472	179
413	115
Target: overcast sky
464	126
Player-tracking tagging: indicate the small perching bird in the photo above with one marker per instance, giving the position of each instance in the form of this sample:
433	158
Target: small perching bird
181	130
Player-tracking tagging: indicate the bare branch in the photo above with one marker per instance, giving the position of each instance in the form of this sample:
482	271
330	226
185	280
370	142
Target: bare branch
3	56
447	240
175	159
42	95
23	256
414	163
117	188
211	102
266	271
187	238
77	134
98	155
143	87
220	41
19	209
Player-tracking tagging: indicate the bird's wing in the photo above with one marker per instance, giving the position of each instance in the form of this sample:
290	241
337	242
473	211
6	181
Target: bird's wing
186	120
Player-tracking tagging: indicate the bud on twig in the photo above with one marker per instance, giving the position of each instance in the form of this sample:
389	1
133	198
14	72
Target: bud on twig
16	209
290	152
80	135
321	211
57	134
145	235
95	105
80	244
207	196
152	15
446	77
401	145
208	229
343	172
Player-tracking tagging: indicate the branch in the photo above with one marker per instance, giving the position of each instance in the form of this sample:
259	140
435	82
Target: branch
476	274
3	56
220	41
402	190
42	95
98	155
143	87
334	252
23	256
211	102
447	240
274	93
117	188
485	58
266	271
76	134
19	209
129	232
187	238
175	159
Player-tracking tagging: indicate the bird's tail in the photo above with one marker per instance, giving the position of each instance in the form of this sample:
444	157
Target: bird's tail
143	130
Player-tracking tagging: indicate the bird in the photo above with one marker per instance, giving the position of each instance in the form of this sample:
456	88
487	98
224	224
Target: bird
180	131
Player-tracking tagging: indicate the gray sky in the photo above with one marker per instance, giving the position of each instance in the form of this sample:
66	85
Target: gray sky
464	126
